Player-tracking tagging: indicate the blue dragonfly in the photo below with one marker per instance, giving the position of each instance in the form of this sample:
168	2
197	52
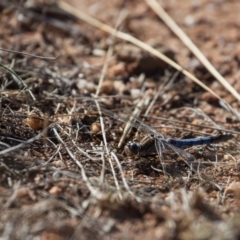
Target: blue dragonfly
148	145
156	142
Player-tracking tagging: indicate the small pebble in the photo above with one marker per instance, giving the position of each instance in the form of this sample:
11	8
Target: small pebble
95	127
83	84
107	88
35	120
135	93
55	190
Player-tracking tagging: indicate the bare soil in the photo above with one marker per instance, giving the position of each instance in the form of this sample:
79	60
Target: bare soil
63	174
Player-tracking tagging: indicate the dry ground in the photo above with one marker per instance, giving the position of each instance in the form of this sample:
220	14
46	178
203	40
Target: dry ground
63	176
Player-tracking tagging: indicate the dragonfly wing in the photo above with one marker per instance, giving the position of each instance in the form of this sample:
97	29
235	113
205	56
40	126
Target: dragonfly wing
185	156
135	122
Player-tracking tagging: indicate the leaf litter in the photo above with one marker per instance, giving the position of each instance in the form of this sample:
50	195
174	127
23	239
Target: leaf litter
63	175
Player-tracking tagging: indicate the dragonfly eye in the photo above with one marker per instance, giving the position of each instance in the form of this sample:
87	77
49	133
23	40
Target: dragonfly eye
132	148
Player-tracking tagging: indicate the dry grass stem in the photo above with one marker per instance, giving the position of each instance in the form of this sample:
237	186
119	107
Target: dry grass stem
156	7
137	111
78	13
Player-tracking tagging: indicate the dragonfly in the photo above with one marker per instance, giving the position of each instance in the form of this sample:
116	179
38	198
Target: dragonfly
156	143
148	144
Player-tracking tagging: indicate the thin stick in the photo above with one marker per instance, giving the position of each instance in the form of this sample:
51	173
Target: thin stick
120	19
18	78
135	114
114	176
29	54
93	191
14	148
104	70
102	127
113	155
161	91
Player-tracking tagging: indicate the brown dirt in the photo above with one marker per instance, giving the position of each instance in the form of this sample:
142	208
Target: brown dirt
58	180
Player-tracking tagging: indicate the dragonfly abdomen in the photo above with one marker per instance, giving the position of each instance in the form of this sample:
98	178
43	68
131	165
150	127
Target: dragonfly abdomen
199	141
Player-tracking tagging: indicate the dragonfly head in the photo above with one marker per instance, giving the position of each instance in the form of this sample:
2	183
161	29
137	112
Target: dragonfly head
132	148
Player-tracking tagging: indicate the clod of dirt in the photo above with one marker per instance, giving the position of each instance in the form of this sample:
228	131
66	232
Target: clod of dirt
139	61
